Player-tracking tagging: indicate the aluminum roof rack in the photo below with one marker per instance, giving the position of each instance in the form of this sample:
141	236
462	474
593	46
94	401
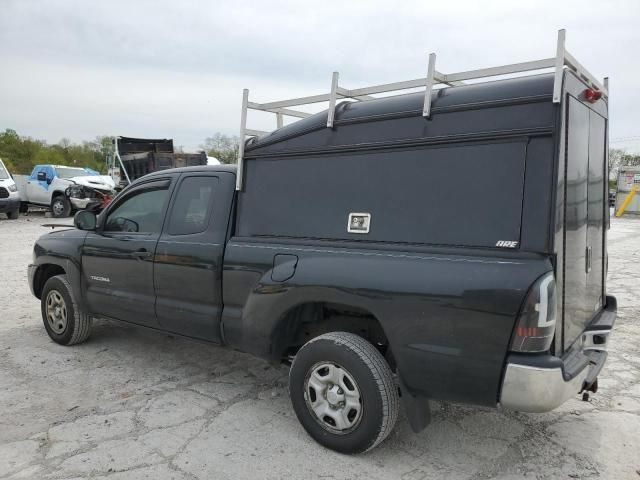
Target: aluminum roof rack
281	108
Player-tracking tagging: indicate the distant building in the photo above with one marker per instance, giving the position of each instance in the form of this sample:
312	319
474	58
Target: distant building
628	177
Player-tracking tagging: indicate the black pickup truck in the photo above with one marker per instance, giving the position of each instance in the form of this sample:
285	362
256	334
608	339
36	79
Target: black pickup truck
391	258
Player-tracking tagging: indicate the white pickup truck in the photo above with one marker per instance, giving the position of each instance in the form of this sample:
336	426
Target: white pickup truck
63	189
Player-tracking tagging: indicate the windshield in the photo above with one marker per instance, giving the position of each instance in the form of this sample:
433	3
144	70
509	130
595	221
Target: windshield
69	172
3	172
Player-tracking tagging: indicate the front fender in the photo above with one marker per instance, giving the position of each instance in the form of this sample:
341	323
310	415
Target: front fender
59	184
62	249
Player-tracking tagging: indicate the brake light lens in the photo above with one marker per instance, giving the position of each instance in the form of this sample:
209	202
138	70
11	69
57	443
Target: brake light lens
591	95
536	323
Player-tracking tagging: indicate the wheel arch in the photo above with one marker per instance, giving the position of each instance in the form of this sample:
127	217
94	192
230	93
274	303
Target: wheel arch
44	273
57	193
309	319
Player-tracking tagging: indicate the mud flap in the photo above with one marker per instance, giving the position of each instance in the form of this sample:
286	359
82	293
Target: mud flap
417	408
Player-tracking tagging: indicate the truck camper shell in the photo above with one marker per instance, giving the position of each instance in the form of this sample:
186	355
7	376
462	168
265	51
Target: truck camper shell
516	162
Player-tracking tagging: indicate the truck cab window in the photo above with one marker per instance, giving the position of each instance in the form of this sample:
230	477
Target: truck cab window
141	213
193	205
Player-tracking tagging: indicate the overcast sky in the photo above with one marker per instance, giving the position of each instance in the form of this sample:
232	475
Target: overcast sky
176	68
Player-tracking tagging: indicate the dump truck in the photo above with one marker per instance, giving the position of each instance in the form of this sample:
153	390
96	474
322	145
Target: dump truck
135	157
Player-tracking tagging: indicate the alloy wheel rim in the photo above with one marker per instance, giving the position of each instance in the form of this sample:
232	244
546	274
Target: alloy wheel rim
333	397
56	312
58	207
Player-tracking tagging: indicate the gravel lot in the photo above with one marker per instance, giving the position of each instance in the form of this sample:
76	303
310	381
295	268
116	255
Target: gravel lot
134	404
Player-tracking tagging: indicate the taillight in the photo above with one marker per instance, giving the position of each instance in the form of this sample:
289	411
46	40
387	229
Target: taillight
591	95
536	324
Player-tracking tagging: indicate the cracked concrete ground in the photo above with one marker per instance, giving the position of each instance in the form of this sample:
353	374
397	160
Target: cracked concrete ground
134	404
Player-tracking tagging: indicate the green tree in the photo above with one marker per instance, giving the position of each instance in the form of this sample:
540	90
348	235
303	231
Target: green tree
21	154
615	161
621	158
48	155
19	151
223	147
9	164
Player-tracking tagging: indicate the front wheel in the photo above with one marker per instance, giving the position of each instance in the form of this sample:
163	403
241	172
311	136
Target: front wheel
60	206
13	214
343	392
65	323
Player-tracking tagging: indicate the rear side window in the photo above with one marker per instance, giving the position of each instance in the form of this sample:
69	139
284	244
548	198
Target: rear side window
192	208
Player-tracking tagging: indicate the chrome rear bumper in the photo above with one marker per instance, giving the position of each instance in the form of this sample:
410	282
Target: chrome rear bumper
540	383
537	390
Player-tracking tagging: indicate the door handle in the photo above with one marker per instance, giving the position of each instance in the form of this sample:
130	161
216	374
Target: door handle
141	253
588	259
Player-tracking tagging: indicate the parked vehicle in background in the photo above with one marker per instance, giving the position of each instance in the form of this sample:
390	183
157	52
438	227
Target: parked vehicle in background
136	157
612	197
343	250
64	189
9	197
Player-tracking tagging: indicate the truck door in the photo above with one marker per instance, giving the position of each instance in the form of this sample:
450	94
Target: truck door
188	261
117	260
38	190
584	217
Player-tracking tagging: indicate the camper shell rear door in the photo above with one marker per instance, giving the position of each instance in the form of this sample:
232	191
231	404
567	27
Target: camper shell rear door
585	209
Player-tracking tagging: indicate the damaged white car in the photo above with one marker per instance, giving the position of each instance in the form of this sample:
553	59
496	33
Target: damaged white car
65	189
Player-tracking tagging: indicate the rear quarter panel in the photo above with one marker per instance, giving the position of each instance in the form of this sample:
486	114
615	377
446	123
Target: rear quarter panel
448	316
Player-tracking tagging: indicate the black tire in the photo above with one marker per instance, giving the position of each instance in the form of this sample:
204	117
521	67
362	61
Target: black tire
60	206
372	381
24	207
13	214
76	327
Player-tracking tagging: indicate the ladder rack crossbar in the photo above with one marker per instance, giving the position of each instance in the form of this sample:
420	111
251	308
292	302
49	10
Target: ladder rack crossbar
503	70
298	101
563	59
282	111
255	133
571	62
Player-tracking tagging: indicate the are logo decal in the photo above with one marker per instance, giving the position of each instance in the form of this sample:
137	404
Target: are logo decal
507	243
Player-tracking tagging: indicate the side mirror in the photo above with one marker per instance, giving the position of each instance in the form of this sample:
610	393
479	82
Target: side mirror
85	220
42	177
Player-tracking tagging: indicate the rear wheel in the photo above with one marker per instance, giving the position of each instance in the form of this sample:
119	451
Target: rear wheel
60	206
343	392
65	323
